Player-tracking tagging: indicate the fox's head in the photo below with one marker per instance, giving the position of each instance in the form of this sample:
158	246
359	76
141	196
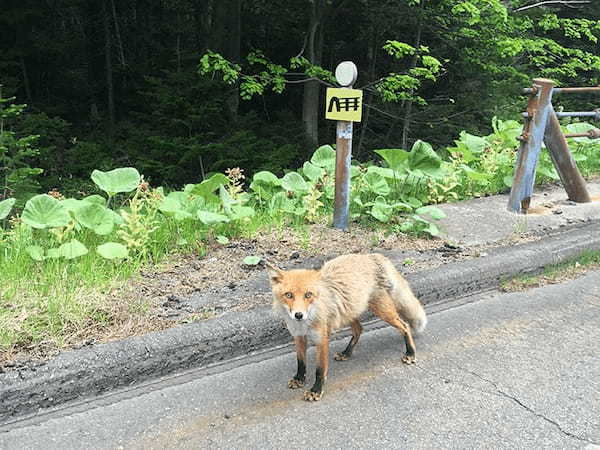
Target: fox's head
296	290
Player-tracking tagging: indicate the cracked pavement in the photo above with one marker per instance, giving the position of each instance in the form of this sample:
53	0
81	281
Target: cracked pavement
496	370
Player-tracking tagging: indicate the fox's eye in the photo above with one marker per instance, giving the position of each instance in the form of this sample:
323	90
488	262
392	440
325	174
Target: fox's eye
288	295
308	295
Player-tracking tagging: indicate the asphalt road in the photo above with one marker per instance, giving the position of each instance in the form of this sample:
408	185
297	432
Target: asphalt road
502	371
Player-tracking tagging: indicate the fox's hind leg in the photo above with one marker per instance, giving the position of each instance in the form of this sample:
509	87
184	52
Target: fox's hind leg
300	377
356	332
383	307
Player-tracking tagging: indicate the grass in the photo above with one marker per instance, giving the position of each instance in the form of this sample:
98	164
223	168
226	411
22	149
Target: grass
55	302
557	273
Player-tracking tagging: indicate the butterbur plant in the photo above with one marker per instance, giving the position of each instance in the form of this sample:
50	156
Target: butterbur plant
312	204
139	222
236	181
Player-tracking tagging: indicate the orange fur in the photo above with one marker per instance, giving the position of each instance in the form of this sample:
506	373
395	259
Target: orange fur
315	303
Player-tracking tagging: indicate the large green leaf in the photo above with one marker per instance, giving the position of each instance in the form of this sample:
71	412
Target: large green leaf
266	177
396	158
173	205
294	182
381	210
312	172
112	250
72	204
506	131
324	157
72	249
376	182
265	183
210	185
280	202
475	144
98	199
6	206
423	159
43	211
385	172
95	217
211	218
123	179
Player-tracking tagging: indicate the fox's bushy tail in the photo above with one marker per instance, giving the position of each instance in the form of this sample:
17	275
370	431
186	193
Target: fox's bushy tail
408	305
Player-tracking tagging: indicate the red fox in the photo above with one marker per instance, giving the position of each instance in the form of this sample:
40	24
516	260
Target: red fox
314	303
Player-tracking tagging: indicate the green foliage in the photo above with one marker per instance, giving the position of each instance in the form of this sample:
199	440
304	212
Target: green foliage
95	217
252	260
113	250
17	177
117	180
266	73
400	87
5	207
43	211
90	234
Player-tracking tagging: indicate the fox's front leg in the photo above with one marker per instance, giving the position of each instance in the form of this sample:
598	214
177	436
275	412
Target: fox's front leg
300	377
316	392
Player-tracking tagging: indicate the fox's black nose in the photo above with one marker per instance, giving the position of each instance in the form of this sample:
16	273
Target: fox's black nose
298	315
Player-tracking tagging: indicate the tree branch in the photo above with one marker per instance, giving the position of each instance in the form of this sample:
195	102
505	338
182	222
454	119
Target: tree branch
568	3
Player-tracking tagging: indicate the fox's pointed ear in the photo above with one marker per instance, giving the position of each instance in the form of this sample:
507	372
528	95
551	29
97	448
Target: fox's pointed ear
275	273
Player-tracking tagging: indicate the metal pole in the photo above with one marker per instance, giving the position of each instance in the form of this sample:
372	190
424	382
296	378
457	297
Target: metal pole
531	144
590	134
563	160
571	90
343	155
346	74
595	114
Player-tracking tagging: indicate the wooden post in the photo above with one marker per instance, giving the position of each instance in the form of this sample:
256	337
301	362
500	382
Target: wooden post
343	156
563	160
346	74
531	144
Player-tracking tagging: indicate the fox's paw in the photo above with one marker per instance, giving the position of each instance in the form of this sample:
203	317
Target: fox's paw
341	356
409	359
295	383
311	396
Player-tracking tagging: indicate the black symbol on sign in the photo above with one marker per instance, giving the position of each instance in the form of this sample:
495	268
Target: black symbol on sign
344	104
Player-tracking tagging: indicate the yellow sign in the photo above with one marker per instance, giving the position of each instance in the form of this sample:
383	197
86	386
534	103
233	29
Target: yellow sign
343	104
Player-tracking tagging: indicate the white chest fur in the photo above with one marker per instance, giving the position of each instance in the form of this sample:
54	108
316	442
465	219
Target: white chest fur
300	327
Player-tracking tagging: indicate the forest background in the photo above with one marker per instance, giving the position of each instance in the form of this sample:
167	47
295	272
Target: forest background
115	83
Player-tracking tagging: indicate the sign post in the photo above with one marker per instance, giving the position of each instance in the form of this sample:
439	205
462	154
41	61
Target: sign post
345	106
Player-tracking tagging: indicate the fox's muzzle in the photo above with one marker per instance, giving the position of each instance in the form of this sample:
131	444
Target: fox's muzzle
298	316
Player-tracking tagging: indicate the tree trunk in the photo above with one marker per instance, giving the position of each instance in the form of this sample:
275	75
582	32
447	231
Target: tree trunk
25	78
314	52
202	21
234	51
225	38
413	63
109	74
372	57
118	33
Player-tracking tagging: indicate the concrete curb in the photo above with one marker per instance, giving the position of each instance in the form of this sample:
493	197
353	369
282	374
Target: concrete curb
91	371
